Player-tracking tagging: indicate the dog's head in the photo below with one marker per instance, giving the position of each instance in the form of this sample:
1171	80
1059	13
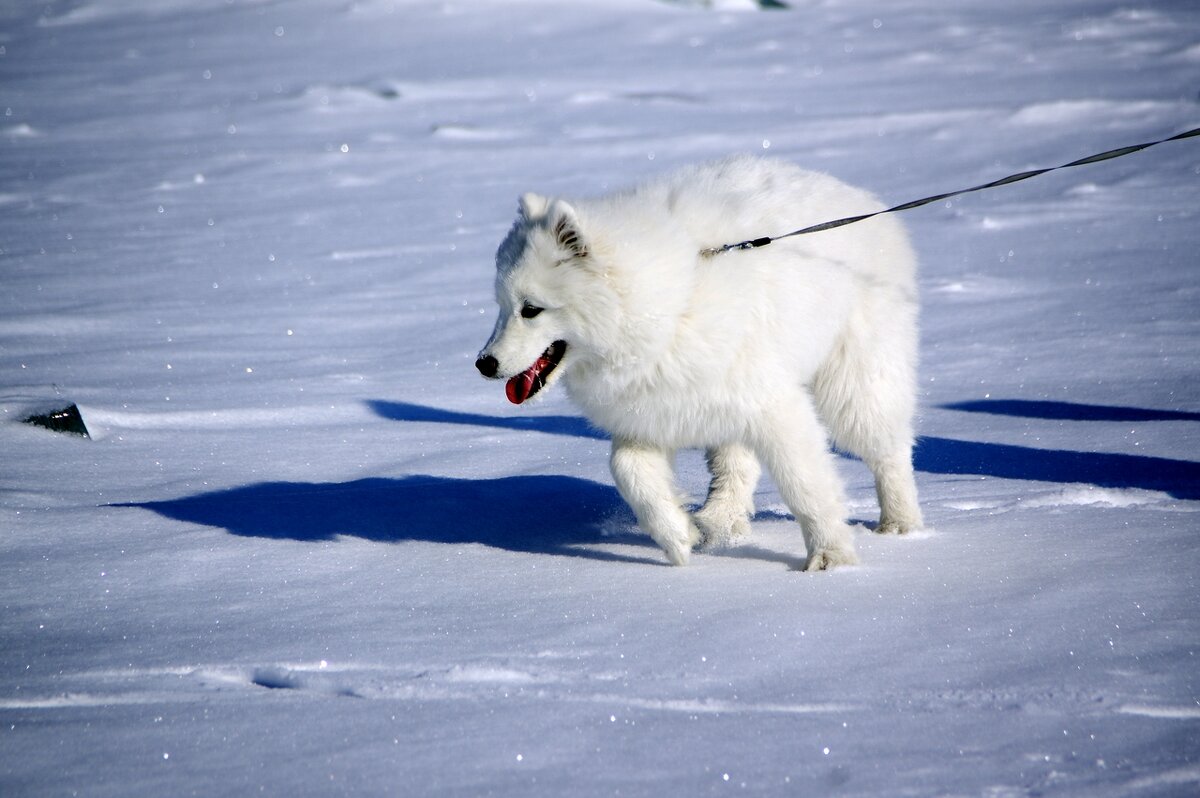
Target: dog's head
544	285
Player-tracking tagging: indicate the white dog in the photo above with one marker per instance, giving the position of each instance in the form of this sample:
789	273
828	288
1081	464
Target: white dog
743	354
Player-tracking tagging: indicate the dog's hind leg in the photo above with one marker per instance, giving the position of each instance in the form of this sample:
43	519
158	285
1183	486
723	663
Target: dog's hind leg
645	480
886	447
791	443
896	488
866	393
725	517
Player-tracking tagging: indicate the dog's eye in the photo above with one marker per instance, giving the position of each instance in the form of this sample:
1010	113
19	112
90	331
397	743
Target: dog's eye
528	311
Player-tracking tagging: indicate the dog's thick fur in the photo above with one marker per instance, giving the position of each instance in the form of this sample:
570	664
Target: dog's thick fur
753	356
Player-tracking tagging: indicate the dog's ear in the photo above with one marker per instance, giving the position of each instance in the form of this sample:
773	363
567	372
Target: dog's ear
565	225
533	207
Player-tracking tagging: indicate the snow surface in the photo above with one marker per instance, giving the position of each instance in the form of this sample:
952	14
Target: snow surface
307	551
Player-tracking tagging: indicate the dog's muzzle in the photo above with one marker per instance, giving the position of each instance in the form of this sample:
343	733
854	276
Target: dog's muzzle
524	385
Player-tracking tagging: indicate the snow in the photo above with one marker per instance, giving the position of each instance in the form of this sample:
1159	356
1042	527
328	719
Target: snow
307	551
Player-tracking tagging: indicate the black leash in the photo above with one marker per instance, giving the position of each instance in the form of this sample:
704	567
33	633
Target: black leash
1004	181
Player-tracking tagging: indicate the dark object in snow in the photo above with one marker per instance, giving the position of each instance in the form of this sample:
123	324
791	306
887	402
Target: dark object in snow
66	420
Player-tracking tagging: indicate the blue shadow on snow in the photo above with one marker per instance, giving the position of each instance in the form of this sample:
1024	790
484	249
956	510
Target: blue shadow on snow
1179	478
1069	411
532	514
572	426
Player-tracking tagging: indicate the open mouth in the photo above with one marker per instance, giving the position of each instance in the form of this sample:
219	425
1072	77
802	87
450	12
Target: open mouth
533	379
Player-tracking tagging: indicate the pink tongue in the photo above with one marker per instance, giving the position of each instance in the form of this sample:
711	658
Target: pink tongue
525	385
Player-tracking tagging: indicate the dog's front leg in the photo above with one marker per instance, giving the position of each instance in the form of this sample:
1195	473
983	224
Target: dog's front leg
644	477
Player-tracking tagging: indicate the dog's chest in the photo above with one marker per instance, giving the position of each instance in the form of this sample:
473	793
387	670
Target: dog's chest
667	414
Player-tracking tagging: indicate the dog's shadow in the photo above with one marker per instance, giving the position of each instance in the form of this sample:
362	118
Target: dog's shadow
561	515
533	514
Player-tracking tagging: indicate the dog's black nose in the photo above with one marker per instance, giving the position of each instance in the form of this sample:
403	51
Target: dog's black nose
487	366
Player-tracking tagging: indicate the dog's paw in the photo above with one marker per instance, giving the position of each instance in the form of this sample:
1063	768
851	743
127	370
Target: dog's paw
677	555
824	559
679	549
894	526
677	552
719	529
